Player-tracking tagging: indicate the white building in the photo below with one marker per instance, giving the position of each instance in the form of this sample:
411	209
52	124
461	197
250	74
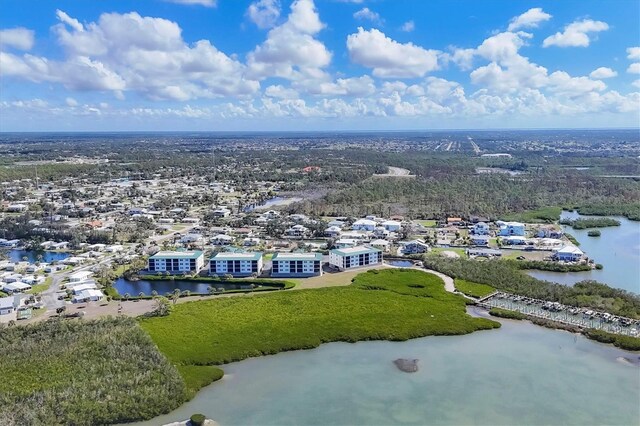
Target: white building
511	228
222	240
568	254
296	264
79	276
236	264
364	225
355	257
392	225
91	295
16	287
176	261
7	305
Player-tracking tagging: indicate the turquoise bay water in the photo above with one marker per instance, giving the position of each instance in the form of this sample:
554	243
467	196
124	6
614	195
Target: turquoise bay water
617	249
519	374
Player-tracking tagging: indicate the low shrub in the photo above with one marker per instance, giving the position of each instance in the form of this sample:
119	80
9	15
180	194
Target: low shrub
197	419
504	313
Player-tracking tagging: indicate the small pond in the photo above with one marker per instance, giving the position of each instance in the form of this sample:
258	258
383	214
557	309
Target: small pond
400	263
134	288
32	256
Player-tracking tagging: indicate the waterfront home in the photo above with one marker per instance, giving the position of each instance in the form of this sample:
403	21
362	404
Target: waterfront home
510	228
236	264
221	240
176	261
80	287
480	228
354	257
549	232
73	261
414	247
296	265
568	254
7	305
364	225
79	276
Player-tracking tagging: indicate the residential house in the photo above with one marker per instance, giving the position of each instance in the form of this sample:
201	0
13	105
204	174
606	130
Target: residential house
568	254
414	247
364	225
479	240
236	264
296	231
392	225
510	228
222	240
296	265
354	257
480	228
381	245
332	232
79	276
8	305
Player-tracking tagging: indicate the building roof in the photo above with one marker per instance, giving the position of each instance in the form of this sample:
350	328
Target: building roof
177	255
355	251
570	250
7	302
236	256
297	256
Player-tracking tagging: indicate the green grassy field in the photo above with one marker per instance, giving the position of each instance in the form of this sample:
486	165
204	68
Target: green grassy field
393	304
84	372
473	289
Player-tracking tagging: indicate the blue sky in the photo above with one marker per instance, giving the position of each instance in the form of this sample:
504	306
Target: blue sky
318	65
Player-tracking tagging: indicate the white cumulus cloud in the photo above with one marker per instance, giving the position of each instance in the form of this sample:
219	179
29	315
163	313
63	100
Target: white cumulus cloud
389	58
264	13
633	53
634	68
603	72
529	19
366	14
576	34
18	38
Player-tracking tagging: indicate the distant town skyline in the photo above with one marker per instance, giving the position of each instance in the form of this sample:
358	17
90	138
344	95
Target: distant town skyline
334	65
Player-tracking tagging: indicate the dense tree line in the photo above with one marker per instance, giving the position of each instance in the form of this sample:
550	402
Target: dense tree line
84	373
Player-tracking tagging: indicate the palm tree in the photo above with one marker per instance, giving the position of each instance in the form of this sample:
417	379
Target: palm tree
154	293
126	296
141	294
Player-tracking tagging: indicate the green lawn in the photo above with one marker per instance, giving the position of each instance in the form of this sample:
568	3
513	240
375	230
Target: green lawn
458	250
84	372
427	223
392	304
39	288
473	289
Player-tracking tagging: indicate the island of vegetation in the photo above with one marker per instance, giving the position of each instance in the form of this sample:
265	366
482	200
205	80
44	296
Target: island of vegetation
393	304
586	223
505	313
594	233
